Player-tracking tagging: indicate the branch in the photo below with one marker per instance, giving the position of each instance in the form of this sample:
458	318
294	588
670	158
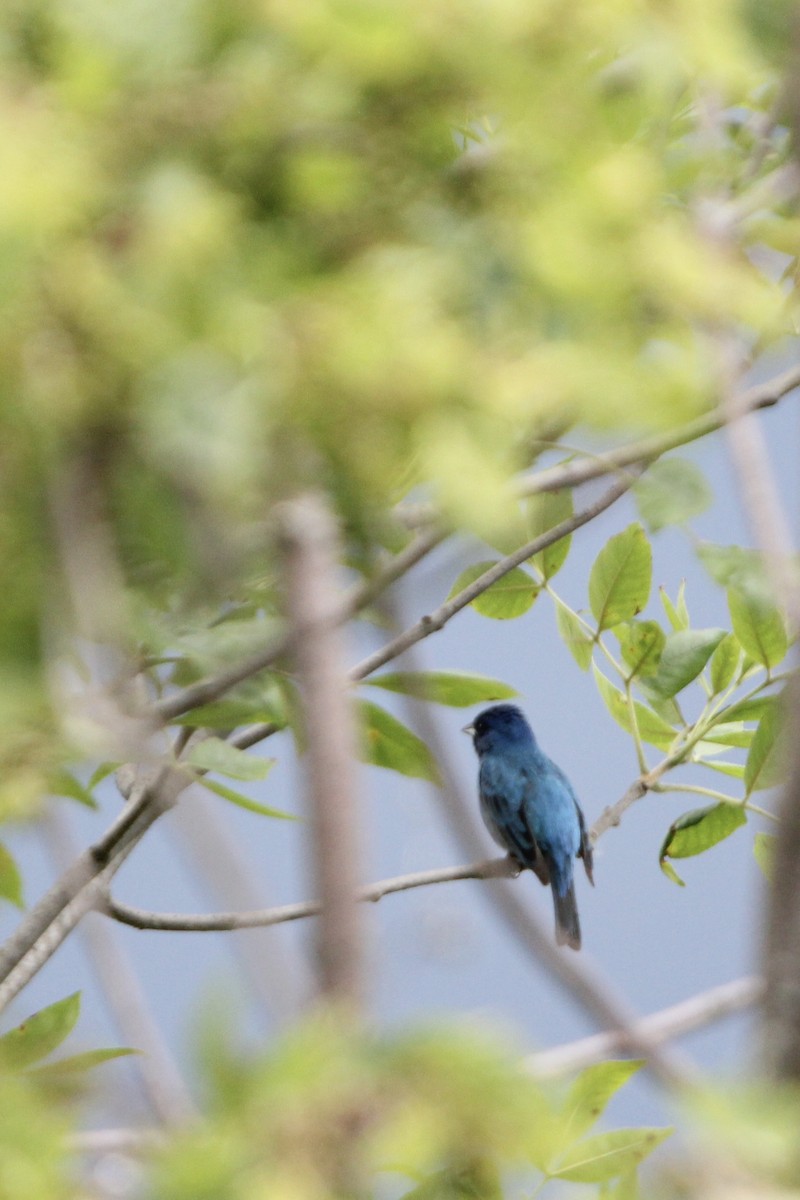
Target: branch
433	622
140	918
83	885
163	1085
657	1028
309	541
208	690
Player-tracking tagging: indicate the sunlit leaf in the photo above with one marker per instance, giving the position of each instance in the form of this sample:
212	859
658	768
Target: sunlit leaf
641	644
455	688
511	596
387	742
619	582
699	830
608	1155
545	511
591	1092
40	1034
78	1064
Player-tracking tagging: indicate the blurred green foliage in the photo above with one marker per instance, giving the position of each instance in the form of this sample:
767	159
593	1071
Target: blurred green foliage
388	249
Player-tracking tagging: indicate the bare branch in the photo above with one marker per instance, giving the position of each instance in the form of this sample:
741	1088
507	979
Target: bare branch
82	887
141	918
657	1028
207	690
309	541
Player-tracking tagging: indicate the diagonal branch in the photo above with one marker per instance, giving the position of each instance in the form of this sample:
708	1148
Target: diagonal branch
657	1028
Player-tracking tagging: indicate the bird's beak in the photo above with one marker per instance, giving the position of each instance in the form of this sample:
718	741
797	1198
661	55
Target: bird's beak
469	729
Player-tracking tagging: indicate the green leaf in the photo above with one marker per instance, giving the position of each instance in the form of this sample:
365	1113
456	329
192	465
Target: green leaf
63	783
724	662
670	872
766	762
734	770
764	852
40	1034
455	688
226	715
10	878
386	742
577	640
78	1063
759	627
226	793
509	597
666	706
730	733
683	658
752	709
699	830
672	491
545	511
652	728
102	772
641	644
608	1155
591	1092
677	614
619	583
212	754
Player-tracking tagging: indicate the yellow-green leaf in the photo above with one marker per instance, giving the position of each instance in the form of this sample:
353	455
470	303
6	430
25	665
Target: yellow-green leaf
387	742
641	644
591	1092
764	852
766	761
40	1033
545	511
455	688
759	627
724	662
511	596
607	1155
578	642
619	582
652	729
698	830
233	797
10	878
212	754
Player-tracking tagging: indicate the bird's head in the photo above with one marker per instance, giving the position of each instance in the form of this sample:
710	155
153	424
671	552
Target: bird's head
501	725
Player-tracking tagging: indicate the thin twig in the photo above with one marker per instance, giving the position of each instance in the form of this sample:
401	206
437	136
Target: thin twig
436	620
659	1027
141	918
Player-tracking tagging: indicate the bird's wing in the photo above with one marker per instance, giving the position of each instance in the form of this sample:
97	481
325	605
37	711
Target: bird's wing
585	852
503	792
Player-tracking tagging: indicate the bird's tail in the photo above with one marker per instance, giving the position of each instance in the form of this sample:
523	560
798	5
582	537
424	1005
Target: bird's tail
568	926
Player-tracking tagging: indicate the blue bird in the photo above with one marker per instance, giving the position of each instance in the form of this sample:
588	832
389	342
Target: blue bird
530	809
